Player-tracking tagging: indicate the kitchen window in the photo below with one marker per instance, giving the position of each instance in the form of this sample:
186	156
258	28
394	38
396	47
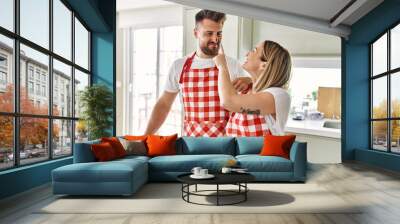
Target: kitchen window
384	91
154	50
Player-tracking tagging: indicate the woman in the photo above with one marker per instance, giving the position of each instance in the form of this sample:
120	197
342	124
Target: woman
266	106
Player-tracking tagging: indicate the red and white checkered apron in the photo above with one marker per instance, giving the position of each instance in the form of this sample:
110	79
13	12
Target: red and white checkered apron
204	114
242	124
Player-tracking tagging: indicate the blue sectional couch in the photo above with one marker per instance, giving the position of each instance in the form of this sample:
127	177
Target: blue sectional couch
125	176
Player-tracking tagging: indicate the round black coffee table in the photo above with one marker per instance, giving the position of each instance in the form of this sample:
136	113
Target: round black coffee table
238	179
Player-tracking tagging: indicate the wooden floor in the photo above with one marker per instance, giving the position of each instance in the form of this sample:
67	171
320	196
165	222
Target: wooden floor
378	188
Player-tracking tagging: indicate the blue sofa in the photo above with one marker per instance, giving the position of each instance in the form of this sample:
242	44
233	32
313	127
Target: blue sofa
125	176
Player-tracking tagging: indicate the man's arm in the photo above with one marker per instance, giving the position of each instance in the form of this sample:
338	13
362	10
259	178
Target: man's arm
242	83
241	80
160	112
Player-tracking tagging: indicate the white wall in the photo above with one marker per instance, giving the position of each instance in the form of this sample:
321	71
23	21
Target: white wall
298	42
168	15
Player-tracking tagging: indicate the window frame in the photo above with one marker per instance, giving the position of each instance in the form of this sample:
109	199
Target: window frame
16	114
388	74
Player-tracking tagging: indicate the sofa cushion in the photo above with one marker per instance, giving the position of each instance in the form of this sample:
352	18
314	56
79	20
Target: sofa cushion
277	145
257	163
134	147
161	145
111	171
249	145
185	163
206	145
116	145
103	152
135	137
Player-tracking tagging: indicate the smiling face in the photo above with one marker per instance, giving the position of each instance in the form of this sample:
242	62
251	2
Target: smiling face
253	63
209	36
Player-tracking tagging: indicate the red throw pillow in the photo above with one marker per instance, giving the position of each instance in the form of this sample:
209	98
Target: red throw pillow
103	152
161	145
116	145
277	145
135	138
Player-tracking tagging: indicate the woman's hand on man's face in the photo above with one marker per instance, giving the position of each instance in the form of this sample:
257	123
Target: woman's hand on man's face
220	60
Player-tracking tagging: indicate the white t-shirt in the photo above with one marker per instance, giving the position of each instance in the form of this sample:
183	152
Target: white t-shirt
172	82
282	107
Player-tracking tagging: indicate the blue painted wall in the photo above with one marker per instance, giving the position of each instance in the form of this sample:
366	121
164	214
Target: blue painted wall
355	58
24	178
100	17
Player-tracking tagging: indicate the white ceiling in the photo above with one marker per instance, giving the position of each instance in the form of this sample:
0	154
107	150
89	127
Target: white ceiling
314	15
320	9
136	4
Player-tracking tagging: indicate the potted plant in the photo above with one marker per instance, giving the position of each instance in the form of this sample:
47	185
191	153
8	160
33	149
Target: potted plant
96	102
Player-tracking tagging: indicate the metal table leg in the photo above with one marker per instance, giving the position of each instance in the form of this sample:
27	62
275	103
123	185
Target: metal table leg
217	194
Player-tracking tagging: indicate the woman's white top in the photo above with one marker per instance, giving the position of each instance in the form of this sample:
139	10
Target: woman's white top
282	107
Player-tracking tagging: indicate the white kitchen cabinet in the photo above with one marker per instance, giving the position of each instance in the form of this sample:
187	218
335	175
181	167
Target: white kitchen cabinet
321	149
323	144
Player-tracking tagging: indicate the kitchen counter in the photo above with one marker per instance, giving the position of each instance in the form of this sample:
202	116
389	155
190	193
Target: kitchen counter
312	127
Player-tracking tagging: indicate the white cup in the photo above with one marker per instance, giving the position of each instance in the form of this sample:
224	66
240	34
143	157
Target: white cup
196	171
226	170
203	172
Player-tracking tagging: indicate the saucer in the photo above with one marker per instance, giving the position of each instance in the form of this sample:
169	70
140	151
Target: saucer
208	176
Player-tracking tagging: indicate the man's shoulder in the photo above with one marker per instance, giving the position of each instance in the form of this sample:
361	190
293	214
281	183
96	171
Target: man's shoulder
180	61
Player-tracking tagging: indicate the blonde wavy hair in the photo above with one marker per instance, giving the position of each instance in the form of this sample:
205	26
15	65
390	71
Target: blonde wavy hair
278	68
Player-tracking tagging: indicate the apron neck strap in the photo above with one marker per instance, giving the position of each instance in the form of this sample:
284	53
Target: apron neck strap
186	66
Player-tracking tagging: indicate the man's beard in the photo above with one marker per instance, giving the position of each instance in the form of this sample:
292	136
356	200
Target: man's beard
210	51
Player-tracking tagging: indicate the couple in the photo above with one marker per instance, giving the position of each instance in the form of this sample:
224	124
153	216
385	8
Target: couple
213	104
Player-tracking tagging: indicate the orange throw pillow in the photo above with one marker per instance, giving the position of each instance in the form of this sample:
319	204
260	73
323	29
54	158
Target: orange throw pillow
103	152
277	145
116	145
161	145
135	138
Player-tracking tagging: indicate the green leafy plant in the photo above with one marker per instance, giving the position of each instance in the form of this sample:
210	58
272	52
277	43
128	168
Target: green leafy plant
96	102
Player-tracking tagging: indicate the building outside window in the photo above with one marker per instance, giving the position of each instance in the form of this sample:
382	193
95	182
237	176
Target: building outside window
3	78
30	72
37	75
3	72
44	77
3	61
38	89
30	87
43	90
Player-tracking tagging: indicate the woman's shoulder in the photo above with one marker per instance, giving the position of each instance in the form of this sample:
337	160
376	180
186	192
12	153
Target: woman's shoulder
276	90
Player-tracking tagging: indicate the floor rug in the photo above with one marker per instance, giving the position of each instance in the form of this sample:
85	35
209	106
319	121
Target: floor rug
167	198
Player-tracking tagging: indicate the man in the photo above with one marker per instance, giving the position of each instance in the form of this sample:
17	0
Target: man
196	77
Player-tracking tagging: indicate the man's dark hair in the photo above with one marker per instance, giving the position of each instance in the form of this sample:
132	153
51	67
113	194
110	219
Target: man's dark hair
211	15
